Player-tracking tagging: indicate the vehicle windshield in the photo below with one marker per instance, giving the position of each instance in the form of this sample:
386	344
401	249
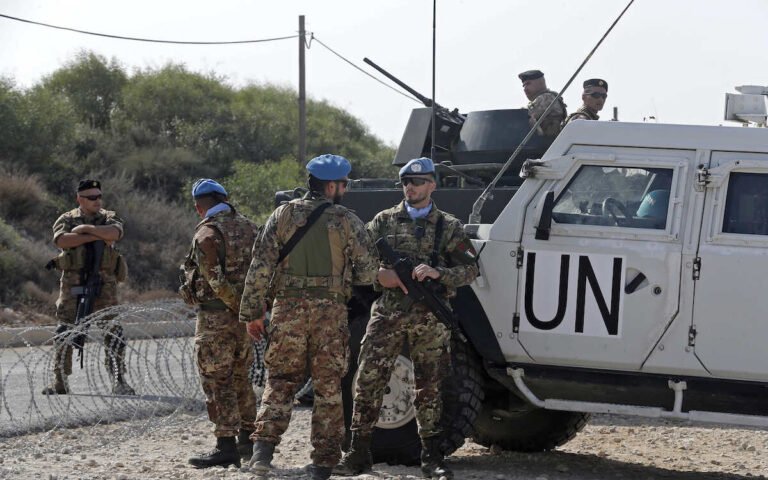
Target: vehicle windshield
616	196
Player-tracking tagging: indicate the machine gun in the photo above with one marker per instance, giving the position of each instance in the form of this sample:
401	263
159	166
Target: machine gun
448	122
87	293
451	115
423	292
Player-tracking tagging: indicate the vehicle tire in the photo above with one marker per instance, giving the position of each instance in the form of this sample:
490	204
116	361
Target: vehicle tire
395	439
504	421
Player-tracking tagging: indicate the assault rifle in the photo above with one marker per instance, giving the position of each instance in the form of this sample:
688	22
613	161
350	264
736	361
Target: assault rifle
87	293
423	292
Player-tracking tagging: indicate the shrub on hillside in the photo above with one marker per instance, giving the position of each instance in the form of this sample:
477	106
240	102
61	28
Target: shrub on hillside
23	260
252	187
157	237
25	203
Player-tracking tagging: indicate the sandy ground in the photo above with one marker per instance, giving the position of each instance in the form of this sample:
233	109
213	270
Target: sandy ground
608	448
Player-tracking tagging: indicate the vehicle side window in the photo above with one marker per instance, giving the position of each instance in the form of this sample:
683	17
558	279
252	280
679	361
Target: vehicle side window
746	205
611	196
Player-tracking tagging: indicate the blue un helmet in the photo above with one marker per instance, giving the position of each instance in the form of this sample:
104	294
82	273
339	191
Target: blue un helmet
654	205
418	166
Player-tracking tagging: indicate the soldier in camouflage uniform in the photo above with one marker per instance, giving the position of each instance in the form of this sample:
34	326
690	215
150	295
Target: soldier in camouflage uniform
311	284
214	273
435	241
535	88
72	231
594	96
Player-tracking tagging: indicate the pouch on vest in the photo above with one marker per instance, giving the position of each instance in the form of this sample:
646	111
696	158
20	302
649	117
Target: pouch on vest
121	270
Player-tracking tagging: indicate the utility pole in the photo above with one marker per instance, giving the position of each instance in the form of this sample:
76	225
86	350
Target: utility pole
302	95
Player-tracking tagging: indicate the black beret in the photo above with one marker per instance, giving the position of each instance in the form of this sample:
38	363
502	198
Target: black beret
596	82
88	184
530	75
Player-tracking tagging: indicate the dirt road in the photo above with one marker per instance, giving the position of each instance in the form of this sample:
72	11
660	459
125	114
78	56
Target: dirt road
608	448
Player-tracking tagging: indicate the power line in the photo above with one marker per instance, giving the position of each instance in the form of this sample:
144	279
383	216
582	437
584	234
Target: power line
181	42
150	40
357	67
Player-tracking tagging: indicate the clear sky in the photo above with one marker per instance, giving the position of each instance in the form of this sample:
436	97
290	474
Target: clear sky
670	59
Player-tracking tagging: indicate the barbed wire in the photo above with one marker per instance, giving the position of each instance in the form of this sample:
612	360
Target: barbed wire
158	357
159	365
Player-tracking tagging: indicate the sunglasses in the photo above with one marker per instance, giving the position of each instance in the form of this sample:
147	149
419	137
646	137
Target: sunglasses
343	182
92	198
416	181
598	95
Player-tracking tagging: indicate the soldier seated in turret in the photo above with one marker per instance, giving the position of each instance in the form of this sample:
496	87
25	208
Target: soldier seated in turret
535	88
594	96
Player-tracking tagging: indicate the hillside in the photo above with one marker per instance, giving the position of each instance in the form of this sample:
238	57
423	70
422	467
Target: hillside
147	135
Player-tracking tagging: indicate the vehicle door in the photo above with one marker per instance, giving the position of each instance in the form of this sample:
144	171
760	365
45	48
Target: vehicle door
730	311
604	286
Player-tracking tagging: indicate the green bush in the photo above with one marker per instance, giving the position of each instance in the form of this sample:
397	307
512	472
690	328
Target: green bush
23	260
252	187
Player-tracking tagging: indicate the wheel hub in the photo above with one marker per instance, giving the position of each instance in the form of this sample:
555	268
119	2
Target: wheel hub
397	405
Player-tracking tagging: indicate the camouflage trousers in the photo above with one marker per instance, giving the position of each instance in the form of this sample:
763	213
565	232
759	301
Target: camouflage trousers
66	312
427	341
224	354
306	332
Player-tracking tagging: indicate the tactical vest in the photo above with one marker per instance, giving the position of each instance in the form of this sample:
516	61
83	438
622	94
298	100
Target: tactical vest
581	111
318	265
238	234
551	125
73	259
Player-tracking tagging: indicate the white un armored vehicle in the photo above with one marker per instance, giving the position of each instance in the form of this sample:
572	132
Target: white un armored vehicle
625	276
622	270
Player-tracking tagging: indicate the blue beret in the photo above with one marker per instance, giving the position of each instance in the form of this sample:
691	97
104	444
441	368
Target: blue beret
418	166
206	186
329	167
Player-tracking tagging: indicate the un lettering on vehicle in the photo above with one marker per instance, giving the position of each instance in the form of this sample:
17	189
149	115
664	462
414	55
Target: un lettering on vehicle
573	294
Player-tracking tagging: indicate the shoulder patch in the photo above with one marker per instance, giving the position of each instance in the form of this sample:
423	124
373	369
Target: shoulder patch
467	250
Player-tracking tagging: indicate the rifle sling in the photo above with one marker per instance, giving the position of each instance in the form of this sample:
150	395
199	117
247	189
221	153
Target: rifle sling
434	258
301	231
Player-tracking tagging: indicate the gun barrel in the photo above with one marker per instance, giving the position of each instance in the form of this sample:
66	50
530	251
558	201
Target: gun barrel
426	101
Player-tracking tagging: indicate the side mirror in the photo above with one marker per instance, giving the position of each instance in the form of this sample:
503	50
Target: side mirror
545	219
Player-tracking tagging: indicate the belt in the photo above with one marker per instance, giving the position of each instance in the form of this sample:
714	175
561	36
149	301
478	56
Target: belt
295	281
335	296
214	305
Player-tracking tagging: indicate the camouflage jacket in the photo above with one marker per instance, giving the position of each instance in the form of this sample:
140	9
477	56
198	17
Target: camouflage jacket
351	252
551	124
215	268
72	260
583	113
456	257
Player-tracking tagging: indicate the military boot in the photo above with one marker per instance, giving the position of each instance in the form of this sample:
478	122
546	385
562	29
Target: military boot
358	458
62	366
432	461
114	361
57	387
224	454
244	444
261	460
316	472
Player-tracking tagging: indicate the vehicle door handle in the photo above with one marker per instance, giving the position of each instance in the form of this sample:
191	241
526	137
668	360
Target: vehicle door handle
634	283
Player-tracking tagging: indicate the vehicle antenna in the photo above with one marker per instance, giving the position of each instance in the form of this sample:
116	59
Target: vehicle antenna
475	216
433	151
